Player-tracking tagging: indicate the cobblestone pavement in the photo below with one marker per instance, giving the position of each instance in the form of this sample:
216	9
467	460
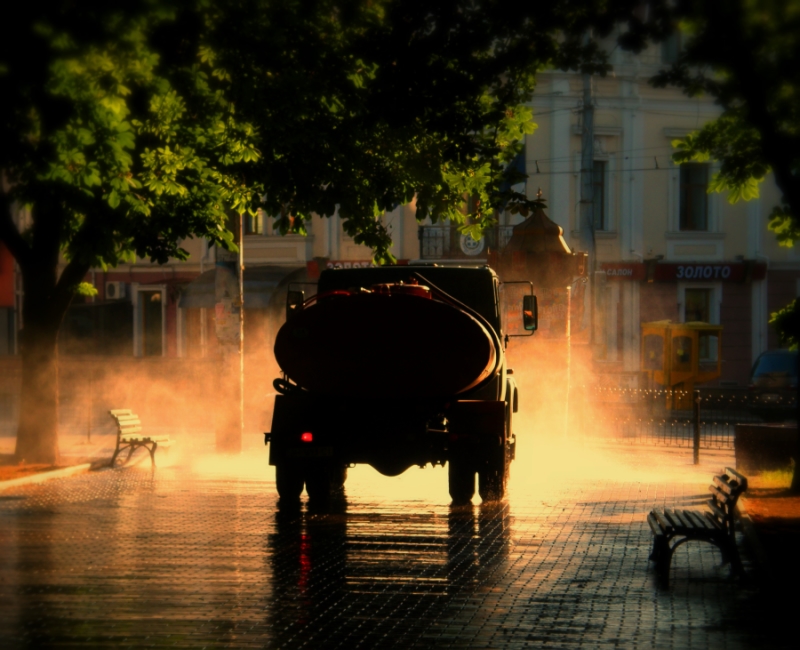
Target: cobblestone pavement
196	554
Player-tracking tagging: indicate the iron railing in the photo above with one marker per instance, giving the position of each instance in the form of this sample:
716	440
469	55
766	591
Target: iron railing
703	419
444	242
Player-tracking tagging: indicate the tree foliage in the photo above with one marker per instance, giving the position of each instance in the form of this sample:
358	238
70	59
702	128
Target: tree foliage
365	106
787	322
117	150
144	121
127	127
746	55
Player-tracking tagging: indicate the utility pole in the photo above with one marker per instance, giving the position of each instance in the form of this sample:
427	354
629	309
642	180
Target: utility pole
587	197
240	278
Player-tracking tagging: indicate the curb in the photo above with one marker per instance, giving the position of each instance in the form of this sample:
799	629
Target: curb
45	476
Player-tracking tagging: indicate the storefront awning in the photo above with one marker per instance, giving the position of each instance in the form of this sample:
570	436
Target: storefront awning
260	284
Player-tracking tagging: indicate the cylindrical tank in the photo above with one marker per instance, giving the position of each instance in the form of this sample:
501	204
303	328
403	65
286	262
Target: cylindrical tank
386	344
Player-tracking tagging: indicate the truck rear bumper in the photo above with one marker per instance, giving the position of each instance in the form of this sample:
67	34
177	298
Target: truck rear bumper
389	435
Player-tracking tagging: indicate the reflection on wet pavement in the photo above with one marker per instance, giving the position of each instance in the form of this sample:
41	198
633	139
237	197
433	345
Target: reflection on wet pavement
190	557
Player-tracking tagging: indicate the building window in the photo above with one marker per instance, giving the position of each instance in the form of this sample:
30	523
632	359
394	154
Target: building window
694	197
254	224
152	325
671	47
698	310
698	306
599	195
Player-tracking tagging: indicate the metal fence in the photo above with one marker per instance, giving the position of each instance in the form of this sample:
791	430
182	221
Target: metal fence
703	419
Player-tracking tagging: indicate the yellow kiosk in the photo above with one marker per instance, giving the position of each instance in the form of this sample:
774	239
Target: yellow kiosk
679	355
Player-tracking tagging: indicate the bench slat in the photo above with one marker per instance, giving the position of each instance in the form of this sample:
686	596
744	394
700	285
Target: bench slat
724	486
686	522
662	521
657	530
700	521
158	439
713	521
740	479
717	512
720	497
673	518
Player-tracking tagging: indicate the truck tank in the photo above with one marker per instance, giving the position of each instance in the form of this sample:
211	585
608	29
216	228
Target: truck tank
358	343
394	367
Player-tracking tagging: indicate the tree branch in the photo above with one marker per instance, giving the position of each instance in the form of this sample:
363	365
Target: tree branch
9	233
756	95
72	275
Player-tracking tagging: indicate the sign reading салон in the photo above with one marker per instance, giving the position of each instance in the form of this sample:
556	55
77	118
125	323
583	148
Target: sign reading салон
623	270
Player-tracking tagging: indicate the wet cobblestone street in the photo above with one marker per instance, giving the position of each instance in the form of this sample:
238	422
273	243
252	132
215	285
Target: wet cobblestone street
197	554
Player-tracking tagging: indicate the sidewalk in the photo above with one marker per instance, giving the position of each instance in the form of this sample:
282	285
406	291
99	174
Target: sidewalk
81	453
771	517
76	450
198	554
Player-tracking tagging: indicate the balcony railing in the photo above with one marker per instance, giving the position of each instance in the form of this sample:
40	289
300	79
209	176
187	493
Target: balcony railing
444	242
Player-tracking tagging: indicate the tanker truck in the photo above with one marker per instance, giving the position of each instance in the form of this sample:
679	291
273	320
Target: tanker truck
396	366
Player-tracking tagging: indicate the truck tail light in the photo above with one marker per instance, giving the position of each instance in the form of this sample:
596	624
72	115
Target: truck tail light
307	436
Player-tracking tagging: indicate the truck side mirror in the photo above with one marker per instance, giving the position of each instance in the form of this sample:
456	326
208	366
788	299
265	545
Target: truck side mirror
530	313
294	302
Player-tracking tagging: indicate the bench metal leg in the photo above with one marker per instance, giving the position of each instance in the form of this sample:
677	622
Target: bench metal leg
660	547
152	451
730	555
117	453
663	567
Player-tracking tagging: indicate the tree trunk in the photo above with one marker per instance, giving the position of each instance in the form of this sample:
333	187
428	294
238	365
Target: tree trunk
37	434
45	301
795	486
46	297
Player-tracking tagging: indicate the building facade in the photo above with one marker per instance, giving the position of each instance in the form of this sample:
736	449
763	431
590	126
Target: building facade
662	247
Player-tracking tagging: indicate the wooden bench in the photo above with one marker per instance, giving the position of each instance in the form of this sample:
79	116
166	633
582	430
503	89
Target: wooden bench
129	436
716	525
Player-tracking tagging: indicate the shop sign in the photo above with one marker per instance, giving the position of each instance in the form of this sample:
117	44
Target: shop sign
693	272
623	270
349	264
718	272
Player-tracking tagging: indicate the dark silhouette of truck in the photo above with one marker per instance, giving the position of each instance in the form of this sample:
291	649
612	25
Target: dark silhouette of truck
395	366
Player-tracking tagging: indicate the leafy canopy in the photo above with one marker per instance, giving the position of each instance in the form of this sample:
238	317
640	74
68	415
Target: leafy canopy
746	55
120	149
130	126
361	107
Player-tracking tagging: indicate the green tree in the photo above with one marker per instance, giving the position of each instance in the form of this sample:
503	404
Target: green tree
115	150
128	127
746	55
361	107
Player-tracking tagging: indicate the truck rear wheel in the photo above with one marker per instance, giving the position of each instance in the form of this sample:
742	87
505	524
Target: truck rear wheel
324	482
493	478
289	481
461	481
